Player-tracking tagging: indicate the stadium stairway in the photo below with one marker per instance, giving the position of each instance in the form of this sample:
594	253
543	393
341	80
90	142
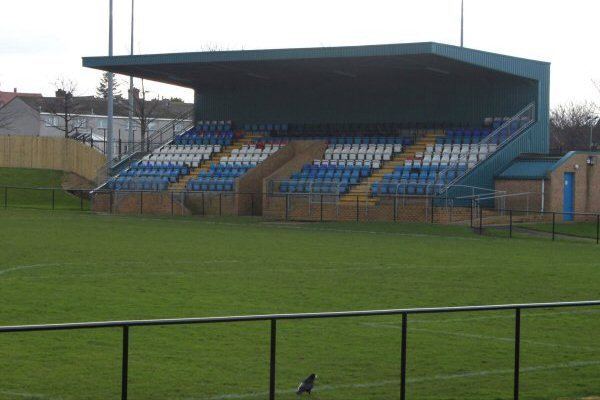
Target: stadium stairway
215	158
363	189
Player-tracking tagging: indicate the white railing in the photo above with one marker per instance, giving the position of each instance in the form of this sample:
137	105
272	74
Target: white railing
525	117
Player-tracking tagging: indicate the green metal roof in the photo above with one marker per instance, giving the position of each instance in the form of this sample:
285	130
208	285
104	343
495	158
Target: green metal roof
199	69
528	169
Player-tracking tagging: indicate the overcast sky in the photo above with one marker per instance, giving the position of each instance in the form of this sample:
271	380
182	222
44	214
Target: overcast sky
43	40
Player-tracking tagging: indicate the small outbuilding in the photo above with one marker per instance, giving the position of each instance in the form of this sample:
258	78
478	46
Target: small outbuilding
539	182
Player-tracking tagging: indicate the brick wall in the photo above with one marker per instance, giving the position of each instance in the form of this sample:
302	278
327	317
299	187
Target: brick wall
158	203
250	185
587	184
531	201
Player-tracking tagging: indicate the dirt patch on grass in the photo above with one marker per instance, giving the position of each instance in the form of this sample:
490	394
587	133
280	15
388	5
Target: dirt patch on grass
73	181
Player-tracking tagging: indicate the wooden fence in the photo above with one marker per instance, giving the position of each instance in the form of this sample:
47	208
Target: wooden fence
50	153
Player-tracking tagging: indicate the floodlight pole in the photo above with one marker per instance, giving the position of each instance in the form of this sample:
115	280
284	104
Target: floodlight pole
109	124
462	23
130	121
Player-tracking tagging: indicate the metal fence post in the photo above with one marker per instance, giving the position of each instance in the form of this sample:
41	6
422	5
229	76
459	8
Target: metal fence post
553	224
517	351
203	210
357	210
480	219
510	224
272	359
220	204
395	208
321	207
286	206
53	199
403	358
125	363
471	213
172	210
597	228
81	201
432	208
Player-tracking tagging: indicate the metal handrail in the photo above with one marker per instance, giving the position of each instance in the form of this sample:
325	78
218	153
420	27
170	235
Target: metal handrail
125	325
529	108
288	316
143	147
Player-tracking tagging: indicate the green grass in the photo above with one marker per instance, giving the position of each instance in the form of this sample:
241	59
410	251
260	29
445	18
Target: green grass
69	266
32	188
579	229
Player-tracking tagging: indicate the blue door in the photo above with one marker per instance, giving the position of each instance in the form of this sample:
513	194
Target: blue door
569	196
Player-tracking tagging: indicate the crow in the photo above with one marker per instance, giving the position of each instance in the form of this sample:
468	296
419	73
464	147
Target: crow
306	386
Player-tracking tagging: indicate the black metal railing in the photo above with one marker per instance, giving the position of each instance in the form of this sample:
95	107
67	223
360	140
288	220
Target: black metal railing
273	318
45	198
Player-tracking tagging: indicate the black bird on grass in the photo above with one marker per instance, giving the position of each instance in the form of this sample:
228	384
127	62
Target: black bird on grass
306	386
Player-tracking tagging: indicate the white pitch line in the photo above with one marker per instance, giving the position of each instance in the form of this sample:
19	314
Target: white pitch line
21	267
432	378
22	394
509	340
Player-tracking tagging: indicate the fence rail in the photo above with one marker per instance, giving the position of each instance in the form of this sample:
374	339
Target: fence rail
310	207
273	318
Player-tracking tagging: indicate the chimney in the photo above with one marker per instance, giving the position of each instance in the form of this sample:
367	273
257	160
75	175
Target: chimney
15	90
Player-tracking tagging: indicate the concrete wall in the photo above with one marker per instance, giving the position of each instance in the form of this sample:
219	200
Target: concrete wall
50	153
24	121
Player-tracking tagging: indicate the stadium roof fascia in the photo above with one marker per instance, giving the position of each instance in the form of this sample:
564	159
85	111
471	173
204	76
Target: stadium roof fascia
155	66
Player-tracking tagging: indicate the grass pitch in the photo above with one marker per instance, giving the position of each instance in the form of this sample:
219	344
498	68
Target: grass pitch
70	266
32	188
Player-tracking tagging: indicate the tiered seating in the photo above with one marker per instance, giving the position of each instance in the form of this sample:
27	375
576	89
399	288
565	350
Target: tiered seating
218	178
207	133
266	128
324	178
463	136
391	140
191	155
362	152
416	179
148	175
221	177
250	155
467	154
204	138
347	160
453	154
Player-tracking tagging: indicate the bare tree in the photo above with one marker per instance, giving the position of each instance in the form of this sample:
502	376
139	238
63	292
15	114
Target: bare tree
571	124
145	111
65	107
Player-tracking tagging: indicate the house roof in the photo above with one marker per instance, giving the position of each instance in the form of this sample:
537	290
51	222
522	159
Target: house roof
217	69
7	97
89	105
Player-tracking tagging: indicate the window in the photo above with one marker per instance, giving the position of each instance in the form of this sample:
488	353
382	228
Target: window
151	126
52	120
80	123
101	123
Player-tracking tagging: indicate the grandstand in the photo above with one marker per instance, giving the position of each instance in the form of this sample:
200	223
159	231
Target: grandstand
412	120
